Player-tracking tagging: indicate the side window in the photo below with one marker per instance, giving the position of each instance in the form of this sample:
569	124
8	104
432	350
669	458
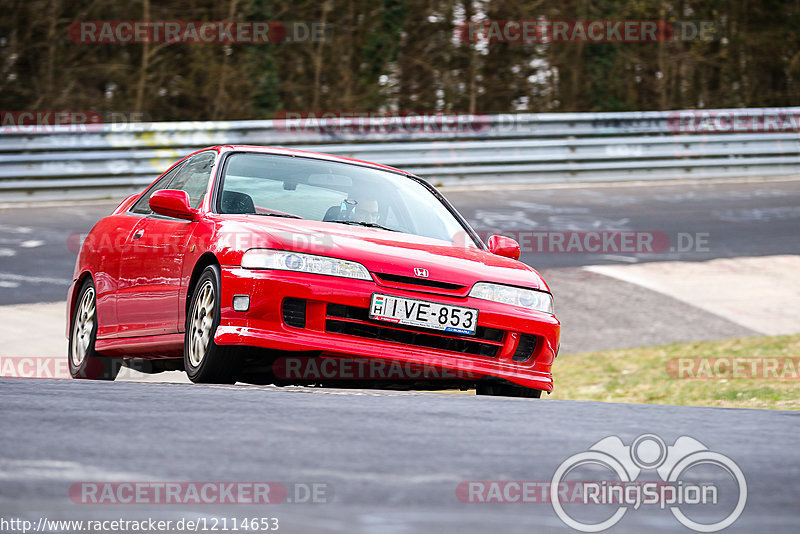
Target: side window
143	204
193	177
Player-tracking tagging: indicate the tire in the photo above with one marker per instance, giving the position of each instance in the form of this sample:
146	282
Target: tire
205	361
84	361
507	390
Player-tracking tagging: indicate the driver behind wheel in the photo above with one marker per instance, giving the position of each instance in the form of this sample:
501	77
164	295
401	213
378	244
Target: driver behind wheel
366	210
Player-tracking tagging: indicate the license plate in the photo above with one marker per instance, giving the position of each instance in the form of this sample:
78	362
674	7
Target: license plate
423	313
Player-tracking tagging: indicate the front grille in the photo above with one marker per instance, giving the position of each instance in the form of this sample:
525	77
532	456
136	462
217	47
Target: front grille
294	312
525	348
362	314
410	280
406	337
354	321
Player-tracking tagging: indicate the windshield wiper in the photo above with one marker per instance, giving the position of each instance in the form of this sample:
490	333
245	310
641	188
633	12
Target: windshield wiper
367	224
285	215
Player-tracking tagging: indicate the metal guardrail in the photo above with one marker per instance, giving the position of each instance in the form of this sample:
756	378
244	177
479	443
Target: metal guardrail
110	160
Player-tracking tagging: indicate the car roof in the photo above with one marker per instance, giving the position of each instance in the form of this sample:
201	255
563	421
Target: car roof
307	154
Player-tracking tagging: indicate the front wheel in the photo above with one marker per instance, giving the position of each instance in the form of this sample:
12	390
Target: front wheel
84	361
507	390
205	361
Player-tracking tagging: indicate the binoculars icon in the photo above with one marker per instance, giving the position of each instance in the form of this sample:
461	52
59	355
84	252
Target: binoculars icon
647	452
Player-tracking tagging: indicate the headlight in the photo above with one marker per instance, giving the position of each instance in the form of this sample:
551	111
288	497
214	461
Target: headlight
305	263
527	298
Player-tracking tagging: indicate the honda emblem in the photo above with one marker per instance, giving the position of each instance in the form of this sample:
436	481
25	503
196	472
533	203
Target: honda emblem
420	272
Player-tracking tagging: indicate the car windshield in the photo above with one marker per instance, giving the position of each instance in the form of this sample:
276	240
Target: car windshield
337	193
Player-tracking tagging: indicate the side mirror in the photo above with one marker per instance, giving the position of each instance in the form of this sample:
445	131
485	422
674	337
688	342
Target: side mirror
504	246
172	203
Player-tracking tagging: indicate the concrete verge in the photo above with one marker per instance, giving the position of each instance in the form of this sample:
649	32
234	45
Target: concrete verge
760	293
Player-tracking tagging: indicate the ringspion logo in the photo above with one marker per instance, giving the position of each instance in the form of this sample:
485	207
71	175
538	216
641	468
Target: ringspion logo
690	474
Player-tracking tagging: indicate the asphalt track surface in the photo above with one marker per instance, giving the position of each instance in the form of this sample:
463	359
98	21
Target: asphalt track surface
597	312
393	461
707	219
734	219
390	462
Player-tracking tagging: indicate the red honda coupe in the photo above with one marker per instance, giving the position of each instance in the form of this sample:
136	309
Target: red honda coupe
268	265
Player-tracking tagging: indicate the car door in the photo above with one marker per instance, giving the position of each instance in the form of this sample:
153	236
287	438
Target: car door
152	257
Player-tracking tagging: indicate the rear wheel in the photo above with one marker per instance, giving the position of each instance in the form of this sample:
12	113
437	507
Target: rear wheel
507	390
205	361
84	361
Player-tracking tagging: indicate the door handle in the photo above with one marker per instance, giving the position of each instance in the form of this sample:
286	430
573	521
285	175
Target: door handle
137	234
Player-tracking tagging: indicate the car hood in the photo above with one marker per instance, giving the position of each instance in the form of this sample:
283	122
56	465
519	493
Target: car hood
380	251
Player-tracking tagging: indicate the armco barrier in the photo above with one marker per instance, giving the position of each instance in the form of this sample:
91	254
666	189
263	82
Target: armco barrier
110	160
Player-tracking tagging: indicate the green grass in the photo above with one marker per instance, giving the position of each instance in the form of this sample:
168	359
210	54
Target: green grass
640	375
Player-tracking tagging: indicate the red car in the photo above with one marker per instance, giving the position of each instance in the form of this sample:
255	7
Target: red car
268	265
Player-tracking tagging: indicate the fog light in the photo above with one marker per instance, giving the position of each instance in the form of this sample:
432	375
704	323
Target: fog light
241	302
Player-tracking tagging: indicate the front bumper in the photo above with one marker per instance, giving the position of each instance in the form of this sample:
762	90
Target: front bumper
263	325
